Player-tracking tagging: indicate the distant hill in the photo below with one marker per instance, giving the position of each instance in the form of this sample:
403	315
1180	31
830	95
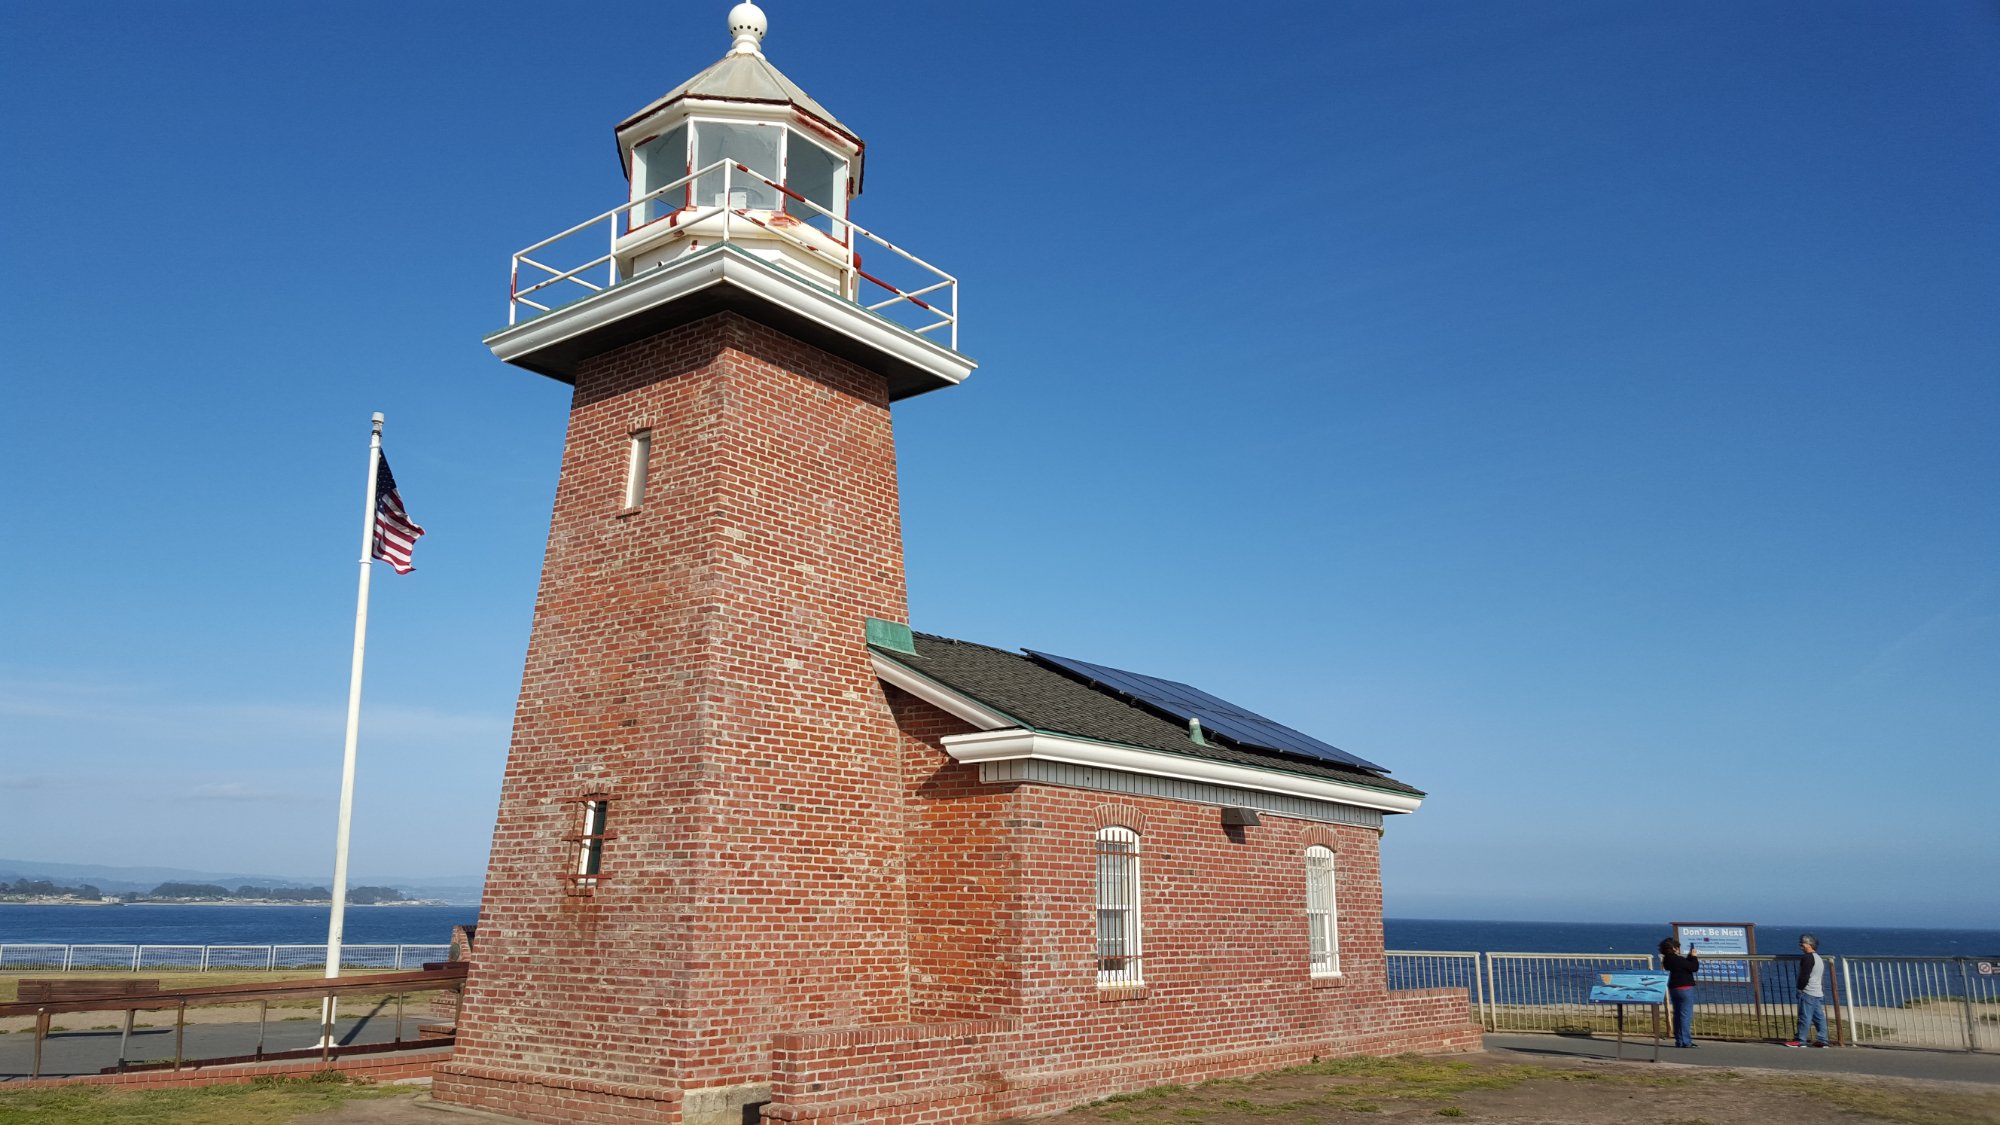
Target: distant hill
117	880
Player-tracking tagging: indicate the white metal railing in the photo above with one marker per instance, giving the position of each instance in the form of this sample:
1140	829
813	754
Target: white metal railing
1549	991
1938	1003
36	957
1921	1001
537	283
1431	969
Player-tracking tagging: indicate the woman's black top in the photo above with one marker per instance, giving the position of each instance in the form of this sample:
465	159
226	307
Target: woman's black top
1680	969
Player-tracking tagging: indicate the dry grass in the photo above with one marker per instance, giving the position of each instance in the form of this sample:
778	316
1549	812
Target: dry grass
1409	1088
267	1101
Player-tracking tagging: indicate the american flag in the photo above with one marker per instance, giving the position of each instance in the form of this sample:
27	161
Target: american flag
395	534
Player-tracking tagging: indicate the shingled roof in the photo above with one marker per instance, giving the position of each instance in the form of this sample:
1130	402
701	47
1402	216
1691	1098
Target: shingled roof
1042	699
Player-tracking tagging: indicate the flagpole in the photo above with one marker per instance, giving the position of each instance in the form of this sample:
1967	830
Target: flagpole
338	919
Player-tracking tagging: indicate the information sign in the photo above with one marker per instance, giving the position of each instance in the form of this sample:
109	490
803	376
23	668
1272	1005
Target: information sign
1629	988
1730	939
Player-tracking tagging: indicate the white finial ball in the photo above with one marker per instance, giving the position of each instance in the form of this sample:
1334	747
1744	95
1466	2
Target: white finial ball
747	26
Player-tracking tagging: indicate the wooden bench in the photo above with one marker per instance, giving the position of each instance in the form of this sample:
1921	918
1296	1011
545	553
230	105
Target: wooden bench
47	990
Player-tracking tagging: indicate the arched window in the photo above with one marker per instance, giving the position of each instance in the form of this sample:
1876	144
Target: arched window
1322	920
1117	906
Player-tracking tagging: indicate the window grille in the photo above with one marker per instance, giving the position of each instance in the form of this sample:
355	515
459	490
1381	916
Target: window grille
589	872
1118	949
1322	920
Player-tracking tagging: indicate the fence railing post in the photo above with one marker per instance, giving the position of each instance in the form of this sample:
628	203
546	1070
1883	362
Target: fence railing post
1492	995
1846	987
1479	986
1965	995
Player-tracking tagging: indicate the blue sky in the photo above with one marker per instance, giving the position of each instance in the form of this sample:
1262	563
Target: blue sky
1585	409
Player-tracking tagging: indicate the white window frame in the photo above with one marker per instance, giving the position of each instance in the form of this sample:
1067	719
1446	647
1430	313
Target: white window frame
640	171
1116	891
591	835
637	465
1322	913
841	181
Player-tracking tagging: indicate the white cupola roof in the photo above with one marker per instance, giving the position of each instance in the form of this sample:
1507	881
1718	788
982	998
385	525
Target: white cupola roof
745	76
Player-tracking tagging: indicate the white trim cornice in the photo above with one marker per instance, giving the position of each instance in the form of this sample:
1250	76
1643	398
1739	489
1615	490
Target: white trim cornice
1006	745
725	266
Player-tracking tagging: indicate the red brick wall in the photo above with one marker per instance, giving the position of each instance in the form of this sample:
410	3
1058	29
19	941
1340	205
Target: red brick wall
699	661
879	1074
964	871
1006	874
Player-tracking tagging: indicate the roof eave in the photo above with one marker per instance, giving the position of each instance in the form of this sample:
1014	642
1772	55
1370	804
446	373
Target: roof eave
999	738
1007	745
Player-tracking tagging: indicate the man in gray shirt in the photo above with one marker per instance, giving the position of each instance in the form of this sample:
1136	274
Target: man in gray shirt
1812	994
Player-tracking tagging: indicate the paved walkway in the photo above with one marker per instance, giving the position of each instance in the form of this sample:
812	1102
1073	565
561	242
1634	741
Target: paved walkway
1886	1062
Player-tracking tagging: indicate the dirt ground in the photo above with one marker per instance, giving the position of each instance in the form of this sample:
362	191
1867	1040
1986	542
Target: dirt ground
1477	1087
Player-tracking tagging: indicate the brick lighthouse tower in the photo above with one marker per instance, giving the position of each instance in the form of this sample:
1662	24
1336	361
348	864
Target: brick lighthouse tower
700	833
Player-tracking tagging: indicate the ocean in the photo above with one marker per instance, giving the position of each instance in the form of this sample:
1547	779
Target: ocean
419	925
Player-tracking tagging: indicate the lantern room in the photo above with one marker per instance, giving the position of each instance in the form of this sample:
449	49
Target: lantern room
740	153
737	194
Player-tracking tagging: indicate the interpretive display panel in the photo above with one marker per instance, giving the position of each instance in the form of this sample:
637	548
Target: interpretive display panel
1629	988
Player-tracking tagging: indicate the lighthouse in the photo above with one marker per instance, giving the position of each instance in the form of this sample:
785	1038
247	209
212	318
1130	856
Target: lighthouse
699	837
764	850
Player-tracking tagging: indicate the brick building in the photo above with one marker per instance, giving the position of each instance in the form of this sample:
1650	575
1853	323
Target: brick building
761	845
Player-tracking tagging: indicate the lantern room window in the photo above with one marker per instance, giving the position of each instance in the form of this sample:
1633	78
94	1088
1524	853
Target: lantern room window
772	151
816	174
655	164
753	146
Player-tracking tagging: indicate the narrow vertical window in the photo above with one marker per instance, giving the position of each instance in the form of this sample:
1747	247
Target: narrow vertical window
1322	920
590	843
1117	906
635	468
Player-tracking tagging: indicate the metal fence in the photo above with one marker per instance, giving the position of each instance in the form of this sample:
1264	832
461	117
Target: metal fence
1424	969
34	958
1923	1001
1550	991
1936	1003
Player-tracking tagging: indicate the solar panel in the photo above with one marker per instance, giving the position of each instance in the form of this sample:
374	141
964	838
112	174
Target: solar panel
1218	716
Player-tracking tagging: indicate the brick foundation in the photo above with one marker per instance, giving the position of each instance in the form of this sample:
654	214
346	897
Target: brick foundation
987	1070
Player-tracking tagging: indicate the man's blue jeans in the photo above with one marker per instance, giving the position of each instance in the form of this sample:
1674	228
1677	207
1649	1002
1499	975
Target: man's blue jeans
1683	1001
1812	1013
